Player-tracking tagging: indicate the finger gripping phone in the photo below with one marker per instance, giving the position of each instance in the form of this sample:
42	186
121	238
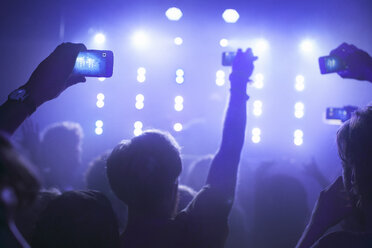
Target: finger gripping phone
331	64
94	63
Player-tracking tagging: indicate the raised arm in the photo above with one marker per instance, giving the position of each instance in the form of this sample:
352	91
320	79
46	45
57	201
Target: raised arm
223	172
48	81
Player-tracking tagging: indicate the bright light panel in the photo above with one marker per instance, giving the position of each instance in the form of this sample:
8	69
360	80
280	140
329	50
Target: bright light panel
173	14
230	15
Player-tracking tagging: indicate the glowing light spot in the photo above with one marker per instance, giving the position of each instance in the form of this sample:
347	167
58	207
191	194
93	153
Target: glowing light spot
307	46
257	104
99	38
141	71
138	125
256	139
177	127
140	105
180	73
257	112
99	123
137	132
100	96
140	98
298	133
256	131
178	99
180	80
230	15
178	107
100	104
299	106
98	130
141	78
173	14
220	74
224	42
298	141
178	41
101	79
140	40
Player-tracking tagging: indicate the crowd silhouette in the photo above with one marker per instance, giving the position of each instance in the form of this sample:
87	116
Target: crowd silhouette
133	196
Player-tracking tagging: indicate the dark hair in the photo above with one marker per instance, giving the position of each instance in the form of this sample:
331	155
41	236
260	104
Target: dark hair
96	177
354	140
143	171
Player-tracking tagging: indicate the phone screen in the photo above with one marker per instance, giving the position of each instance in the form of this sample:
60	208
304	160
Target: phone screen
94	63
330	64
228	58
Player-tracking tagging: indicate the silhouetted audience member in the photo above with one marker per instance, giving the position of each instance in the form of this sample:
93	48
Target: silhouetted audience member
60	156
18	189
185	196
350	196
77	219
143	172
27	218
96	179
280	212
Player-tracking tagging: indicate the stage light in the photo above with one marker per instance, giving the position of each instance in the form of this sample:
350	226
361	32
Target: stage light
256	139
180	73
180	80
307	45
220	81
178	107
178	41
257	104
99	38
298	141
299	114
100	104
177	127
98	130
260	46
220	74
99	123
298	133
141	78
224	42
141	71
101	79
300	83
137	132
138	125
258	81
140	98
140	39
230	15
257	112
259	77
173	14
299	106
256	131
178	99
100	97
140	105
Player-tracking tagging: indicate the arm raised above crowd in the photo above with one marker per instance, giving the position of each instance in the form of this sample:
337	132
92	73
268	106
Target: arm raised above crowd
48	81
223	172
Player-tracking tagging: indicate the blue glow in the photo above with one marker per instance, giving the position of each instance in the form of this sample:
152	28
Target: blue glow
90	63
230	15
260	46
173	14
220	81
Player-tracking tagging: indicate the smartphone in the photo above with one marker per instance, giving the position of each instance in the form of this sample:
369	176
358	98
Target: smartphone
330	64
228	58
339	115
94	63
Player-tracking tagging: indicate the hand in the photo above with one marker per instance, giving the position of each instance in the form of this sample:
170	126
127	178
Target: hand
333	205
358	61
53	75
242	66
